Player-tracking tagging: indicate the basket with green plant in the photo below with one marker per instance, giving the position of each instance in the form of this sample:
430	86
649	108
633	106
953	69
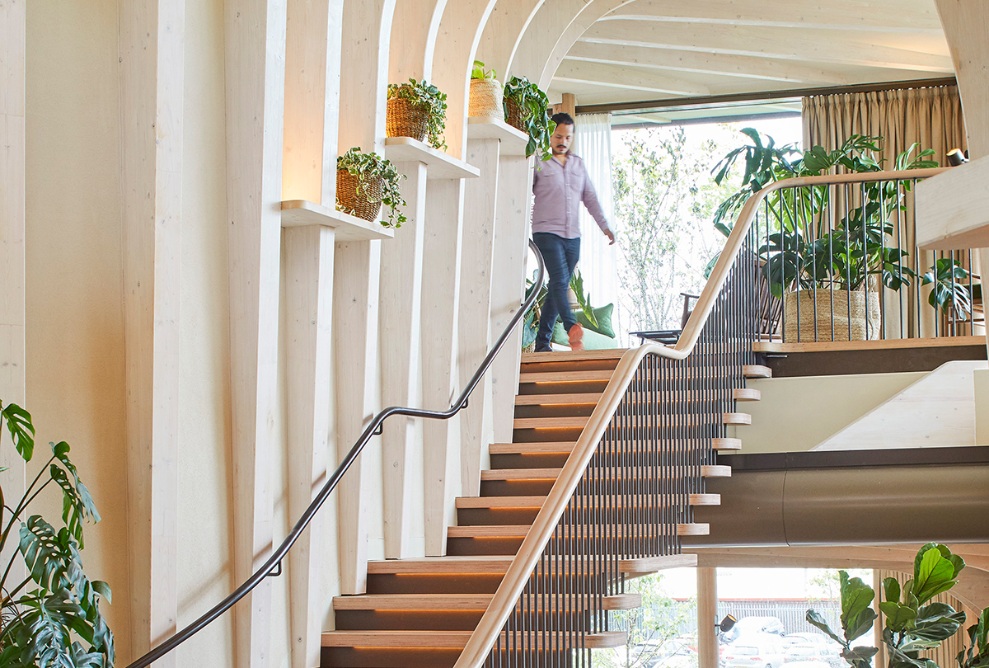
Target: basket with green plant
417	109
365	181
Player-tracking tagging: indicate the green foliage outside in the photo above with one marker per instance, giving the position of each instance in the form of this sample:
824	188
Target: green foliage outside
652	629
51	617
664	200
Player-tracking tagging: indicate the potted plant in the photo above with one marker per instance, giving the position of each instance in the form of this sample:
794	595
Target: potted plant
826	268
417	109
527	109
365	181
485	93
913	621
52	617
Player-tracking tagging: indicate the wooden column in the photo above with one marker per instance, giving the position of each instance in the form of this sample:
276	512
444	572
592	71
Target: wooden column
966	24
312	85
152	56
440	308
13	184
707	611
401	442
255	85
474	335
508	279
364	67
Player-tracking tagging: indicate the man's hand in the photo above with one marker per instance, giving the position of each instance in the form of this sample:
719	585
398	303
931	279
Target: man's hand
611	236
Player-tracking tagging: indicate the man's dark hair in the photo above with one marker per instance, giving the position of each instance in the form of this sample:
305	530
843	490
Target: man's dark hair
563	119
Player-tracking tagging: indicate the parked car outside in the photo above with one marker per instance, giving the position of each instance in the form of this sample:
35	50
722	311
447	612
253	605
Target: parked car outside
762	650
748	625
815	653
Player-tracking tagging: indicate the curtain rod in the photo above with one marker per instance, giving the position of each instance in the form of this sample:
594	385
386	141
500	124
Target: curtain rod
760	96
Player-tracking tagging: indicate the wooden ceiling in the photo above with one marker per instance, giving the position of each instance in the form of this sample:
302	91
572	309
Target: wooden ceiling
670	50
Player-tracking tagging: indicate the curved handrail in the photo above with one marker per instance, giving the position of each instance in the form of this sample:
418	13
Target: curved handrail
372	428
503	601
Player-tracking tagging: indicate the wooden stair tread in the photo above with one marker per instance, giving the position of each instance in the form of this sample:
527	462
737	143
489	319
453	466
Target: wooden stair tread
438	565
726	444
419	639
756	371
534	448
568	422
520	474
565	376
609	354
521	530
572	398
464	502
424	601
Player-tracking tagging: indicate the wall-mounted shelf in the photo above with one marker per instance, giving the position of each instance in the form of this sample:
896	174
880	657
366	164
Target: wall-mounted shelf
439	165
300	212
513	142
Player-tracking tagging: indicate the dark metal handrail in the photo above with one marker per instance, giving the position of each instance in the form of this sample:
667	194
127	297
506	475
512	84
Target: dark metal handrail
373	428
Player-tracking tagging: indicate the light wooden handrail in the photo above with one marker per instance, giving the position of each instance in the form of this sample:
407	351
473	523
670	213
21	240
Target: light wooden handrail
503	602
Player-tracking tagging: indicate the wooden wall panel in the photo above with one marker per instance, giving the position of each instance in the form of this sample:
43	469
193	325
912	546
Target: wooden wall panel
152	108
13	184
255	85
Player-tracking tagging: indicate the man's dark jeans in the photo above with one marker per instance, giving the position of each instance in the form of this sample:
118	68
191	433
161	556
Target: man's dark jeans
561	256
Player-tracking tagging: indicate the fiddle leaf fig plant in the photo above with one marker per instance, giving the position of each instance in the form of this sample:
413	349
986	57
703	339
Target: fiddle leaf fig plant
533	108
912	621
51	617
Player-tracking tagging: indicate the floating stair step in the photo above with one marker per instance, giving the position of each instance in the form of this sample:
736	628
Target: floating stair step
593	375
715	471
574	398
726	444
533	448
736	418
569	422
613	355
756	371
746	394
437	575
521	530
520	474
426	612
649	565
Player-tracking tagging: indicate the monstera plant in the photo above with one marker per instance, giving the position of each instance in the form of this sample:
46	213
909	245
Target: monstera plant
50	617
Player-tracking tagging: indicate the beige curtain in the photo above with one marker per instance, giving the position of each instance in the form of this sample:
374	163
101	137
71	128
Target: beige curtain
932	117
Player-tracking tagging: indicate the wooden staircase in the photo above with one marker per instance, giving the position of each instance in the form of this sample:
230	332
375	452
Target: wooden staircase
421	612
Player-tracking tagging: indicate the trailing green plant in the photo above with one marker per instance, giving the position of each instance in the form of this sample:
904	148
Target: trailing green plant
536	120
369	167
51	617
478	71
530	323
912	621
429	99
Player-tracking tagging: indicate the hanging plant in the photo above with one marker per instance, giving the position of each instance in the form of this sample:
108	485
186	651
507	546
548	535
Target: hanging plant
485	93
417	109
365	181
527	109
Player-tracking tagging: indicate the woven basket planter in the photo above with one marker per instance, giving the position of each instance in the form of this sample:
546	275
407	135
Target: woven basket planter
514	117
485	99
361	200
854	318
405	119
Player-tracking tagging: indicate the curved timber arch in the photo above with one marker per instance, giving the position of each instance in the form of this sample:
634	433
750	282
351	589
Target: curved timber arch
415	27
503	31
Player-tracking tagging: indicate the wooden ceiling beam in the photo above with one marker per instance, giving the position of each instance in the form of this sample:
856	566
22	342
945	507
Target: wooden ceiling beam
620	76
796	46
711	64
886	16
